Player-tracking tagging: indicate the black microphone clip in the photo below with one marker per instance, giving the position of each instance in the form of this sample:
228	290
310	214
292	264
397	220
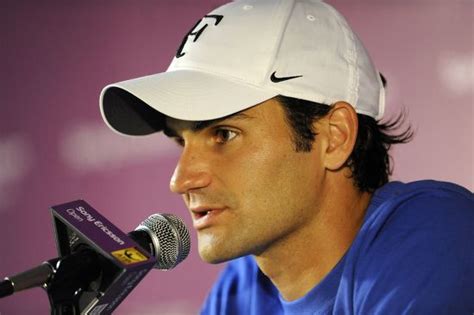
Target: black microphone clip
110	262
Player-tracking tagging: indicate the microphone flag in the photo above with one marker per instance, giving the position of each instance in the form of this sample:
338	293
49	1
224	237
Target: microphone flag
122	262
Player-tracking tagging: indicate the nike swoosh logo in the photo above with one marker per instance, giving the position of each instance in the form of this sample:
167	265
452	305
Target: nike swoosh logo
276	79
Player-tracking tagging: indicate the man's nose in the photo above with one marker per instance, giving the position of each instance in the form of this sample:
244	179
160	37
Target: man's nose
191	172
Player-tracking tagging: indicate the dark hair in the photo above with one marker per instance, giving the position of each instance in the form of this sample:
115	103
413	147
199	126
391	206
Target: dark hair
369	161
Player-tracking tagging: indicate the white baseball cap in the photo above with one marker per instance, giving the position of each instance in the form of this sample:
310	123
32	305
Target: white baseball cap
244	53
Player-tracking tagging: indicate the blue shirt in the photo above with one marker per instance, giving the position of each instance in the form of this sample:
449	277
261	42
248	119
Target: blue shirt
414	254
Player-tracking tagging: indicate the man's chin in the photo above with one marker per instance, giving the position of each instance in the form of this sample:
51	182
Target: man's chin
214	255
216	248
213	258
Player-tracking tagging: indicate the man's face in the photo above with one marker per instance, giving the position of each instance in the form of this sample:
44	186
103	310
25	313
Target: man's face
245	186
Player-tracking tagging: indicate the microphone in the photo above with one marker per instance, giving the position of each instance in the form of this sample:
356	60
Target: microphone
164	236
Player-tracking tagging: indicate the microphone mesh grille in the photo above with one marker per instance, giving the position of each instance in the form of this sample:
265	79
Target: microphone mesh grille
170	239
184	241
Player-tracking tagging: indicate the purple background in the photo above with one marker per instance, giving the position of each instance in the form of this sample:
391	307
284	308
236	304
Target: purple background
57	55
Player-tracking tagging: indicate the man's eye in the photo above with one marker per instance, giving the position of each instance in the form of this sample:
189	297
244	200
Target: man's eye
224	135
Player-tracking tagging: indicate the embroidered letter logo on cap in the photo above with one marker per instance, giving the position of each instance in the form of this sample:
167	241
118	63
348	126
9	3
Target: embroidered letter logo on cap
197	33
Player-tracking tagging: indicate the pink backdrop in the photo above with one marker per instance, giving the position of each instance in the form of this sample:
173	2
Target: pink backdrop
56	57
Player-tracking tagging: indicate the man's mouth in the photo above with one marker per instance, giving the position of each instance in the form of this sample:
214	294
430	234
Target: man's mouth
205	216
199	215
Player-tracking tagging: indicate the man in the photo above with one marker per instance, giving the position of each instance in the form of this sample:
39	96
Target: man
284	168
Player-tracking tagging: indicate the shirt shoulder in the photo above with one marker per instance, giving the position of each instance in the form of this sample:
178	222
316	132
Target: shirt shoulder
415	252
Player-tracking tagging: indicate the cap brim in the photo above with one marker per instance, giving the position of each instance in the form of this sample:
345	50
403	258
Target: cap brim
139	106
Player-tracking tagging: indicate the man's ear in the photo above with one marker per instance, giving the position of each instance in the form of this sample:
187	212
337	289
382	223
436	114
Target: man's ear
341	132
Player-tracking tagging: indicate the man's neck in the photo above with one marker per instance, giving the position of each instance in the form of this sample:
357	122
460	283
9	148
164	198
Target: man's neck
298	263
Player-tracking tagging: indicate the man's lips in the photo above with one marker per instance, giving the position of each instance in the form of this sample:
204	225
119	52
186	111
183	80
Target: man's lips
205	216
200	211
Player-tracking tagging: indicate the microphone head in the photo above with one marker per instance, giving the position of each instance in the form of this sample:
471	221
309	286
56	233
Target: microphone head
170	238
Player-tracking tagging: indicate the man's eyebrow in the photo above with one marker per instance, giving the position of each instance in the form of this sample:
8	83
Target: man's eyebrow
200	125
203	124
